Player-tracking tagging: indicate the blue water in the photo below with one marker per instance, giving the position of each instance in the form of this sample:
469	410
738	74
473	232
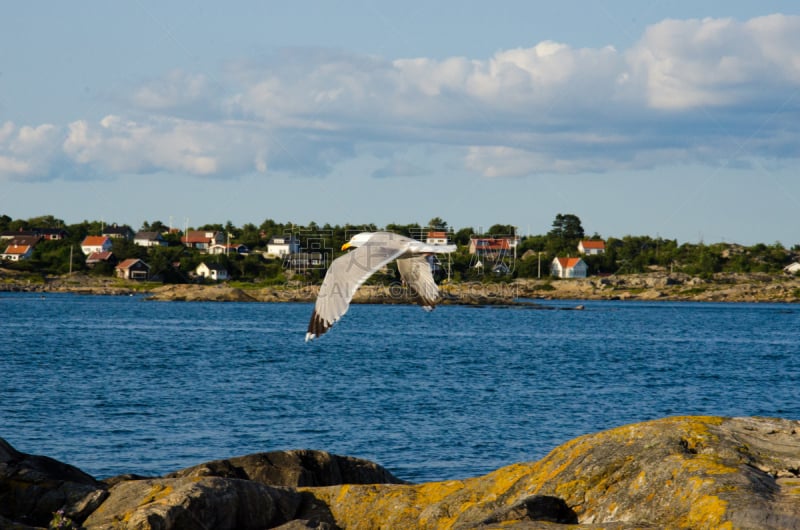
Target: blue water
122	385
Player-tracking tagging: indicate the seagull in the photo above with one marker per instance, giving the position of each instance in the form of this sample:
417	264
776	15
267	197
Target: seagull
373	250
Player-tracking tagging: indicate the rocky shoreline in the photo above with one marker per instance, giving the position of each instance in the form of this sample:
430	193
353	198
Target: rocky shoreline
678	472
652	286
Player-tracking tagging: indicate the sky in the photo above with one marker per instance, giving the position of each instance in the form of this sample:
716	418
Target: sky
673	119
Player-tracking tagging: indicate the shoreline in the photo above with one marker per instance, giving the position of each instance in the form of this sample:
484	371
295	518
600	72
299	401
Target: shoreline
754	287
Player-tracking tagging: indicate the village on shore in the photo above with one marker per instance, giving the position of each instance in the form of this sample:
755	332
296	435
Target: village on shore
286	263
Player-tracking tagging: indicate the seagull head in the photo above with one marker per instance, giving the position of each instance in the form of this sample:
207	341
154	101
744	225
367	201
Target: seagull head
357	240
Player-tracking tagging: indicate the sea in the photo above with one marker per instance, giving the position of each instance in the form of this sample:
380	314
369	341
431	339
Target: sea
120	384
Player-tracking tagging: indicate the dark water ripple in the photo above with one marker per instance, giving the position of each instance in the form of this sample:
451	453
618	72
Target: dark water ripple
116	384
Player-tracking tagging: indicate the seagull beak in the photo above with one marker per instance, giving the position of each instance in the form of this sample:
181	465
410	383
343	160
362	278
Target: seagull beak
346	246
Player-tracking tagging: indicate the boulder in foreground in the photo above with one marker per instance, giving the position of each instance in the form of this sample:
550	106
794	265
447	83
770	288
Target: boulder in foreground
682	472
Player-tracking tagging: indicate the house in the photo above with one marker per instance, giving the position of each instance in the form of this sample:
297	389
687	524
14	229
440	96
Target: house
24	240
568	268
11	234
149	239
96	244
133	269
37	233
283	245
228	249
305	260
436	238
792	268
212	271
100	257
52	234
118	232
202	240
592	247
17	252
489	247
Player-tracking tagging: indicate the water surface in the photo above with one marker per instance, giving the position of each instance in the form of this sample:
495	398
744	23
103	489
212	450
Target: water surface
123	385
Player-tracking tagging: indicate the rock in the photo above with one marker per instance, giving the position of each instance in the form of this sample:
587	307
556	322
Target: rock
193	292
7	524
192	502
33	488
302	524
681	472
535	508
294	468
687	472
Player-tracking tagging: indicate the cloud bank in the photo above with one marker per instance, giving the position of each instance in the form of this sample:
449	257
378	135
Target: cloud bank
711	91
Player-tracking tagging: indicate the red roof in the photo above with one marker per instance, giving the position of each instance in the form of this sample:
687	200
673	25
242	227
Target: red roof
568	263
196	236
490	243
593	244
17	249
99	256
94	241
126	264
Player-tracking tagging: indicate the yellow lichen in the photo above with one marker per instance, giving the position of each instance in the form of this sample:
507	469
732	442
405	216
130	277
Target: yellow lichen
156	493
708	511
709	465
638	482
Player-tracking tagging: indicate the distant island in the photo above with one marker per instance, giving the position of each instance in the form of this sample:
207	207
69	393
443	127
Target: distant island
285	261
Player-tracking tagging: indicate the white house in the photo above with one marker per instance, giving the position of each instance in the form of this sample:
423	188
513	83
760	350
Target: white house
233	248
592	247
149	239
93	244
17	252
436	238
212	271
202	240
282	246
120	232
568	268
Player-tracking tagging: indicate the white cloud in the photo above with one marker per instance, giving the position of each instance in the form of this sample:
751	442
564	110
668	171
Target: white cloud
717	62
28	152
196	148
688	91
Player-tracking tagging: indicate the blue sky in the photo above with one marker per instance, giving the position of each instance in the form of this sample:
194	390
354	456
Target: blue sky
677	119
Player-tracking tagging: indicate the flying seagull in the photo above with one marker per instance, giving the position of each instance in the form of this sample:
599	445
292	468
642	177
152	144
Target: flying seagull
373	250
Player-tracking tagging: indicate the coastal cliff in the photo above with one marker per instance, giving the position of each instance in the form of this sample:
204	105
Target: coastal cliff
678	472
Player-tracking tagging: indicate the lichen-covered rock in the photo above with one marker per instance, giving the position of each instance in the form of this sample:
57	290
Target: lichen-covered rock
193	292
682	472
33	488
686	472
294	468
187	503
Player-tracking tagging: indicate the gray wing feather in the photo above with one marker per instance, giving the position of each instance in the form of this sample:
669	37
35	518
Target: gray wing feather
345	276
416	271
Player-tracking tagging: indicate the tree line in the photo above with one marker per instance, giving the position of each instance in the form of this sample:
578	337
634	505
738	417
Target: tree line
530	258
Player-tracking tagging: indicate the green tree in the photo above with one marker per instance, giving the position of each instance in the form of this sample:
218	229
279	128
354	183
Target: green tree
124	249
565	234
567	227
502	230
155	226
462	236
438	223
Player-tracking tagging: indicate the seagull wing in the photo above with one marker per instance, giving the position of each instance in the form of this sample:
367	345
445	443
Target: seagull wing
345	276
416	271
